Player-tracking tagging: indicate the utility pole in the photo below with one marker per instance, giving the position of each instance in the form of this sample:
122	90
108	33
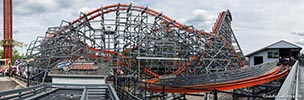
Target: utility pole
28	74
28	70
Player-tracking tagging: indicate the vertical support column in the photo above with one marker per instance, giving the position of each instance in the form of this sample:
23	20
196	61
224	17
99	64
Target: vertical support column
7	29
215	94
44	75
164	92
206	96
145	97
253	92
28	75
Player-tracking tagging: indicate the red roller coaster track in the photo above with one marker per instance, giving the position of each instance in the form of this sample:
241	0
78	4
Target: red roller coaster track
228	85
112	8
223	52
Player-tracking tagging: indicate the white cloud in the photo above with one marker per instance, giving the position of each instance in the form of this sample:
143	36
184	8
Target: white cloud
201	19
30	7
255	23
85	9
298	33
34	6
300	42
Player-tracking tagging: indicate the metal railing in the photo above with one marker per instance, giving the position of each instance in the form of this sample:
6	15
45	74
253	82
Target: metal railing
51	91
288	90
22	93
31	82
124	95
297	83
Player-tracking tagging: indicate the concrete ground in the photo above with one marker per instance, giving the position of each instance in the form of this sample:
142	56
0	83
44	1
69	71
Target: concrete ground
8	84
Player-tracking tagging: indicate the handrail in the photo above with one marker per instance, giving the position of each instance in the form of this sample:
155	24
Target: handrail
84	94
17	90
297	83
21	93
41	95
45	89
287	91
113	93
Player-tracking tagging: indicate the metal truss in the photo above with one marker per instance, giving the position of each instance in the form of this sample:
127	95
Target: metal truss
135	36
139	43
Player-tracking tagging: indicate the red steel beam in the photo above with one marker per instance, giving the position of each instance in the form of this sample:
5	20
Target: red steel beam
8	30
112	8
236	84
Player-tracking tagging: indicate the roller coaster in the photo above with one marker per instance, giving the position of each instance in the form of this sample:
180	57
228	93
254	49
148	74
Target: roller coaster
142	46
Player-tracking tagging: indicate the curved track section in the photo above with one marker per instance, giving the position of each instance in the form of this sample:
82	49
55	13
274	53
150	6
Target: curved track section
144	44
228	80
120	33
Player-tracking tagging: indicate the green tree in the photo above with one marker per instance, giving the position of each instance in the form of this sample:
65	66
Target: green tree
1	54
16	55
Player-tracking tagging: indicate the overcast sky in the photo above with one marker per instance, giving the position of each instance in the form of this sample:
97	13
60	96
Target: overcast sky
256	23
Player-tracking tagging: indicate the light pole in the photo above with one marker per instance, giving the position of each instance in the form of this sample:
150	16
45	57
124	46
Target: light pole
28	71
28	74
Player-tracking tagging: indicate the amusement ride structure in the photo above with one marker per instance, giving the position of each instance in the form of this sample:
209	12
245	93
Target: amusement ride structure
7	41
145	50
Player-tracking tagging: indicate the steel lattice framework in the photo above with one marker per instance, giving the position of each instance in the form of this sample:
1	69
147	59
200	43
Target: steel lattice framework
141	45
131	36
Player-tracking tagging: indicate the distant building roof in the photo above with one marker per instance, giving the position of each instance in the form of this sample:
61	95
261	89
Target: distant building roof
277	45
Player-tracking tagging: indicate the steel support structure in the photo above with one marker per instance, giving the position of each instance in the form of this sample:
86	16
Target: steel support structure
136	43
120	33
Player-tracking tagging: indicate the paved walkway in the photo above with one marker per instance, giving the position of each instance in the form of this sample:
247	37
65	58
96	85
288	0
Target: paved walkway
4	79
19	82
7	84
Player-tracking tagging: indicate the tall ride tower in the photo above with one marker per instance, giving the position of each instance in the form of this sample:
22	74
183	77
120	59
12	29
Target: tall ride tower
7	41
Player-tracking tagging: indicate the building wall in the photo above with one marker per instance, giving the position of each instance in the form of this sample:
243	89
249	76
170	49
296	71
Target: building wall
264	54
78	80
